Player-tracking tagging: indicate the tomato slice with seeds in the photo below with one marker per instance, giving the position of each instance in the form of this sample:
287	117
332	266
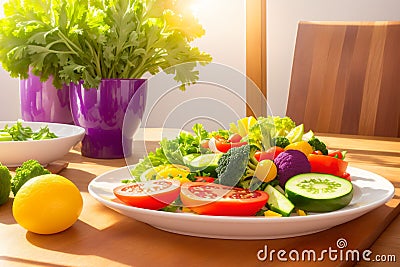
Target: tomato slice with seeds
206	179
152	194
215	199
235	138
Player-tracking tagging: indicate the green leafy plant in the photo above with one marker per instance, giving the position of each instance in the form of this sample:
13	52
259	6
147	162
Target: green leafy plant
89	40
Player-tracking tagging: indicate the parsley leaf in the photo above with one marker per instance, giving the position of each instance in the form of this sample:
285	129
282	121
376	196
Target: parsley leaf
75	40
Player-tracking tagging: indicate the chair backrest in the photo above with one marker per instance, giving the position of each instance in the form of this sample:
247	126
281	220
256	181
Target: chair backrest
346	78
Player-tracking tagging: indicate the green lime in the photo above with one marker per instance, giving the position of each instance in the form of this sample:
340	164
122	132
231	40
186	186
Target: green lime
296	134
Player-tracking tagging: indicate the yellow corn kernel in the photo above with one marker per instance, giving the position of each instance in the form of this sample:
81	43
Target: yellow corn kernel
301	212
270	213
186	209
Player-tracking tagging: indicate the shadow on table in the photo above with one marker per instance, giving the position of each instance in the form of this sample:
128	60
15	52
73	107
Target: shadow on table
142	245
368	158
5	209
80	178
137	244
75	156
18	261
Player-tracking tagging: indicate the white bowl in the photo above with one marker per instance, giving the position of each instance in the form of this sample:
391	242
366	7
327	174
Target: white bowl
14	153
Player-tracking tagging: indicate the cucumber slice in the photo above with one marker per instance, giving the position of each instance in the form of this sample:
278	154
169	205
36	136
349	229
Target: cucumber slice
188	158
205	162
278	202
318	192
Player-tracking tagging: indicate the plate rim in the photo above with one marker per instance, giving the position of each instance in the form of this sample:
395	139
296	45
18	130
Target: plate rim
247	219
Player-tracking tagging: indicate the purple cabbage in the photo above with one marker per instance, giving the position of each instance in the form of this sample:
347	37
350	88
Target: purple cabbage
291	163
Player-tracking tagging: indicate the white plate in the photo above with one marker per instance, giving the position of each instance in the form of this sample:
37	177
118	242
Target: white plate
14	153
370	192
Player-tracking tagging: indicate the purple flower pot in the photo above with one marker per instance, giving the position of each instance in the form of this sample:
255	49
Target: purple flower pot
101	112
41	101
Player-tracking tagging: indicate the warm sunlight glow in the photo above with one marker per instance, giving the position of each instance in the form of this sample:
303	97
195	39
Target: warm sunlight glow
198	7
1	8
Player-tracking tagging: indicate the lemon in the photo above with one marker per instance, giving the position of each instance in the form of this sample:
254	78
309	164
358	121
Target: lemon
47	204
296	134
302	146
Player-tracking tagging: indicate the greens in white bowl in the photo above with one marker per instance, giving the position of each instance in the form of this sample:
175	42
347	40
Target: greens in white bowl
21	132
62	137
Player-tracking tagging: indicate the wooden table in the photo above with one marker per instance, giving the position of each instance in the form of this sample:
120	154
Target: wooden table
102	237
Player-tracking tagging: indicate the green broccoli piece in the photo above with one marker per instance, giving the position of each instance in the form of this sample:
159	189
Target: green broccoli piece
237	165
318	145
281	141
5	184
28	170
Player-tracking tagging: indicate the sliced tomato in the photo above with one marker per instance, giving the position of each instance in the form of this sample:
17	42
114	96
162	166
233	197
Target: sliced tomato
152	194
327	164
270	154
204	143
263	155
224	145
221	200
235	138
205	179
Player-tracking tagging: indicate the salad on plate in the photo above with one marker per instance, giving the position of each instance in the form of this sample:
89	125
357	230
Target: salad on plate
265	166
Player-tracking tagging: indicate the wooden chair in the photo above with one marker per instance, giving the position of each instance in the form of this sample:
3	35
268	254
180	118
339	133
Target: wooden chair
346	78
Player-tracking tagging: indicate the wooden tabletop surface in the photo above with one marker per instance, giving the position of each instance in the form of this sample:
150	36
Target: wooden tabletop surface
102	237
